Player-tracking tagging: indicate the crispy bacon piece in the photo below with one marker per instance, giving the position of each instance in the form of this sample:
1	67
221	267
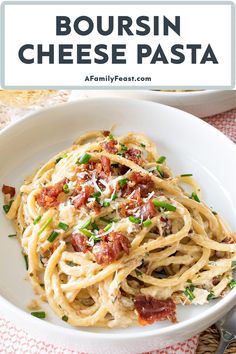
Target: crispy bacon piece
83	196
110	146
150	309
8	190
126	208
148	210
48	196
106	132
136	180
106	165
79	243
134	155
95	206
111	248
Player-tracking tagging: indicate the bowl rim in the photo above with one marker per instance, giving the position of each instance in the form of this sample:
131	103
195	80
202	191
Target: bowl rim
217	307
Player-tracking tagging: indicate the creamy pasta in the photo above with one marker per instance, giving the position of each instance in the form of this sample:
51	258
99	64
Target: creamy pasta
112	238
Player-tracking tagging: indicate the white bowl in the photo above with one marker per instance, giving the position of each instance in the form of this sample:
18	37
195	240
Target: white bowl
190	146
200	103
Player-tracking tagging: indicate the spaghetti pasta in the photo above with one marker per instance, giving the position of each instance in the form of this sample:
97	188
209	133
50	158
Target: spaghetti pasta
113	239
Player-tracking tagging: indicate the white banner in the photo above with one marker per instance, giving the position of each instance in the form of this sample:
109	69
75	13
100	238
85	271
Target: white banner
114	44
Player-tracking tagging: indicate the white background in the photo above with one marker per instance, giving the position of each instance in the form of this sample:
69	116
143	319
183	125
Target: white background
200	24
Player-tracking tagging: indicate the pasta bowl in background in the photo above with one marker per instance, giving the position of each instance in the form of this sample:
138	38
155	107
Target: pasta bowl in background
200	103
189	144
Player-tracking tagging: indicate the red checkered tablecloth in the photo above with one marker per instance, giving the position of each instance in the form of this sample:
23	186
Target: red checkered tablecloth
15	340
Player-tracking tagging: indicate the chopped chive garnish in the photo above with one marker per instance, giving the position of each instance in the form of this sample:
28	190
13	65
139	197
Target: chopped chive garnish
26	262
195	197
66	188
186	175
147	223
12	235
36	221
94	226
123	182
134	220
53	236
65	318
7	207
161	159
214	212
39	314
45	225
211	296
84	159
120	153
86	224
110	136
96	195
143	145
232	284
233	263
138	273
164	205
114	197
159	169
188	292
123	147
106	204
106	228
58	159
86	232
103	218
63	226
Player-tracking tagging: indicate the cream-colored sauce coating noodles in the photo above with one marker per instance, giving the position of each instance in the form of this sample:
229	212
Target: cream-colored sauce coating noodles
105	223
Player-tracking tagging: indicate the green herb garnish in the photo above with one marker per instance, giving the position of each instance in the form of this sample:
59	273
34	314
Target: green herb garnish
142	145
96	195
138	273
36	221
106	228
114	197
84	159
65	318
232	284
211	296
39	314
134	220
233	263
161	159
159	169
86	232
188	292
195	197
26	262
66	188
123	147
63	226
186	175
123	182
12	235
106	204
164	205
7	207
53	236
45	225
86	224
147	223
